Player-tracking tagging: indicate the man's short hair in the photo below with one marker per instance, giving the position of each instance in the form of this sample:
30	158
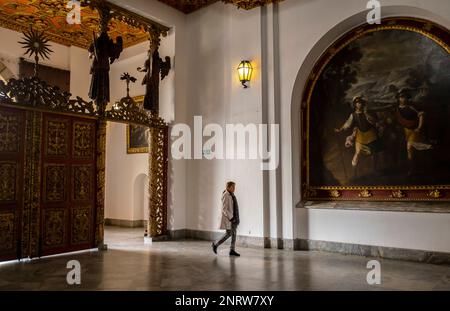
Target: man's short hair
230	183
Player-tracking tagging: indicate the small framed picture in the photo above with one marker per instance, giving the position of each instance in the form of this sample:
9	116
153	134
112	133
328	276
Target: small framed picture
137	135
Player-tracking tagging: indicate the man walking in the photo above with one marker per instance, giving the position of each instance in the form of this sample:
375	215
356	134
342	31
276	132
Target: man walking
230	218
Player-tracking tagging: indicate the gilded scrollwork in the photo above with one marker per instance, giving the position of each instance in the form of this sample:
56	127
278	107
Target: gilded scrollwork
7	236
100	169
158	141
126	110
37	94
81	226
10	137
55	181
57	138
27	182
8	176
365	194
54	227
398	194
335	194
83	144
82	182
435	194
33	207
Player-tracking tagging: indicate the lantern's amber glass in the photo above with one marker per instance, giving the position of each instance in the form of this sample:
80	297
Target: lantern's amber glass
245	71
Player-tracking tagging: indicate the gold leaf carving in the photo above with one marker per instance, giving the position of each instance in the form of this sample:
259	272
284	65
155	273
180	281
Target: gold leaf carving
83	143
8	171
335	193
57	132
81	225
9	132
435	194
82	176
398	194
55	181
7	236
365	194
54	228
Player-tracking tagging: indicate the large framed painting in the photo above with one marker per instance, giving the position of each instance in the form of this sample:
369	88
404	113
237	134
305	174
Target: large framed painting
376	117
137	135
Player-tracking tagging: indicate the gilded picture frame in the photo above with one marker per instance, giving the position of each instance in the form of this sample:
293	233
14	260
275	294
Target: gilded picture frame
312	191
137	135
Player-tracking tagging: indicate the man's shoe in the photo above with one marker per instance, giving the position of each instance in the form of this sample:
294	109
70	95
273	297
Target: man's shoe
214	247
233	253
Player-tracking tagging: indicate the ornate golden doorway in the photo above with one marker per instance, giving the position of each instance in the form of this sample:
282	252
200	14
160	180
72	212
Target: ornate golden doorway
52	168
52	147
129	112
48	168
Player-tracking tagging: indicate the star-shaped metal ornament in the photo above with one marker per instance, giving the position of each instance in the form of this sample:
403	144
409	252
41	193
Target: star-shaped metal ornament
35	43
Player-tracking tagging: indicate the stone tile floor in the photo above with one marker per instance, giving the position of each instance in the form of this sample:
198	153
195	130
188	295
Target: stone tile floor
129	264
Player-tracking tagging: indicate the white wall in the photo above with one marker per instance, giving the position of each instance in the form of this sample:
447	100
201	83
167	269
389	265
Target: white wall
80	77
219	37
424	231
218	40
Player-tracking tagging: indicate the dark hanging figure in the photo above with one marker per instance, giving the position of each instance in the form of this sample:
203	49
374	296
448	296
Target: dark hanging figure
105	52
154	66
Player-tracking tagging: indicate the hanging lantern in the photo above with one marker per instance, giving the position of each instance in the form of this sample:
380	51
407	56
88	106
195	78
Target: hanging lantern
245	71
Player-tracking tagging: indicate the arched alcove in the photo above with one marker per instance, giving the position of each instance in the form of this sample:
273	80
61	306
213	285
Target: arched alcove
307	66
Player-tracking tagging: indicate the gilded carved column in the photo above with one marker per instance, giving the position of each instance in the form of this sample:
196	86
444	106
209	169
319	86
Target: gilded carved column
100	204
151	222
35	185
158	147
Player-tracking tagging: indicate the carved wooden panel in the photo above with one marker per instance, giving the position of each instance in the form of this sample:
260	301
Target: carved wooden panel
7	234
8	180
57	133
54	228
55	182
83	140
82	182
47	183
67	208
10	138
81	225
